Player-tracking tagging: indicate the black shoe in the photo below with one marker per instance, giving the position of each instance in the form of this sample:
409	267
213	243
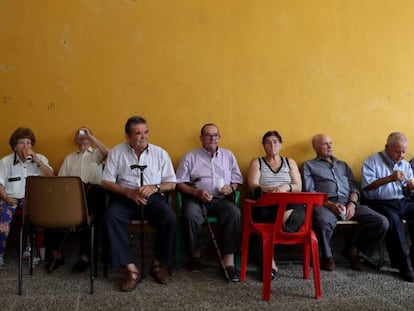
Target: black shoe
58	262
234	275
194	264
80	266
275	274
407	275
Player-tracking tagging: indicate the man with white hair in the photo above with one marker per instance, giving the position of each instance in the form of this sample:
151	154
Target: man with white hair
386	180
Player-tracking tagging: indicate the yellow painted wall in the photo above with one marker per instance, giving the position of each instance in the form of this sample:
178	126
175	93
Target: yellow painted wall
343	67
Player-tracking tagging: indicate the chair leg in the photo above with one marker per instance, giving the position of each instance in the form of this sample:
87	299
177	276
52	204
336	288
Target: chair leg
142	243
178	243
105	251
316	267
92	259
20	272
268	247
244	255
32	247
306	250
237	260
381	253
95	249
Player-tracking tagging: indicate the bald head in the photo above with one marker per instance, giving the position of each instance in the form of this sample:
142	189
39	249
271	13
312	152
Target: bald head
323	146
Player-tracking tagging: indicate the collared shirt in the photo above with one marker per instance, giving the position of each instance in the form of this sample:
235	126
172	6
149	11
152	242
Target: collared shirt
13	173
375	167
121	166
207	172
336	179
87	165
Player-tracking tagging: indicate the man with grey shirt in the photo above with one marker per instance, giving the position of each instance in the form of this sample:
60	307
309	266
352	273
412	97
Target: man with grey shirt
325	173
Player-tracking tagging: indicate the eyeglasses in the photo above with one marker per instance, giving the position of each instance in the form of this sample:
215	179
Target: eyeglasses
216	135
271	142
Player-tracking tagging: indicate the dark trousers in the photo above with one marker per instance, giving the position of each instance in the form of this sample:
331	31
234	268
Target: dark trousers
396	242
374	228
228	216
96	200
158	213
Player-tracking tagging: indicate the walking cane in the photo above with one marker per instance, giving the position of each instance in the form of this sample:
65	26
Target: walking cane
223	266
141	169
61	245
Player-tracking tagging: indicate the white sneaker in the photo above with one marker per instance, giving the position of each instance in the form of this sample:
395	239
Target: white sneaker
26	252
36	261
1	262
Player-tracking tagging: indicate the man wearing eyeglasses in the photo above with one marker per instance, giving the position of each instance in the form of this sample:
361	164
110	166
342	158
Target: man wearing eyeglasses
207	177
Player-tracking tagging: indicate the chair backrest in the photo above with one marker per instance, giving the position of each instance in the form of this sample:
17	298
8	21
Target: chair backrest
55	202
282	200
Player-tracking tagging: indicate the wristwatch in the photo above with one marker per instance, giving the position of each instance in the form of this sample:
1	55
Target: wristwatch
158	187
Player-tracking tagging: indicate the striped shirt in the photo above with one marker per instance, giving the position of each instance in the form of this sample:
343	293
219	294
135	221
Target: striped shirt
271	178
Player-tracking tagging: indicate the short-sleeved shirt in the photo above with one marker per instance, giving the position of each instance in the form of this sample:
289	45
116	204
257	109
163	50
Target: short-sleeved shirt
380	165
122	166
209	172
87	165
336	179
13	173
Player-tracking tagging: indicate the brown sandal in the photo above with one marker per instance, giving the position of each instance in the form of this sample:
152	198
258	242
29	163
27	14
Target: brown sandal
160	272
129	283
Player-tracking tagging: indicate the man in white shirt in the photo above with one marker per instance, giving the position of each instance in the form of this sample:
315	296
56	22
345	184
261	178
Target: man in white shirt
87	163
128	197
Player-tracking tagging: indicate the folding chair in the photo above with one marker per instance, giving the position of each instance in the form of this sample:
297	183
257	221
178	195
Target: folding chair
54	203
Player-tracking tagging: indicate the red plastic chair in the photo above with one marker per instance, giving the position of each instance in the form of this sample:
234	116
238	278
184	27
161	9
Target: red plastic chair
272	233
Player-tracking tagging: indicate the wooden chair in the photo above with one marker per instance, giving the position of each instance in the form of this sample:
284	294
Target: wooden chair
179	236
273	233
54	203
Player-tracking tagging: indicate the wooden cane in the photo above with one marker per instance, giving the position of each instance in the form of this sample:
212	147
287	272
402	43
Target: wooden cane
223	266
